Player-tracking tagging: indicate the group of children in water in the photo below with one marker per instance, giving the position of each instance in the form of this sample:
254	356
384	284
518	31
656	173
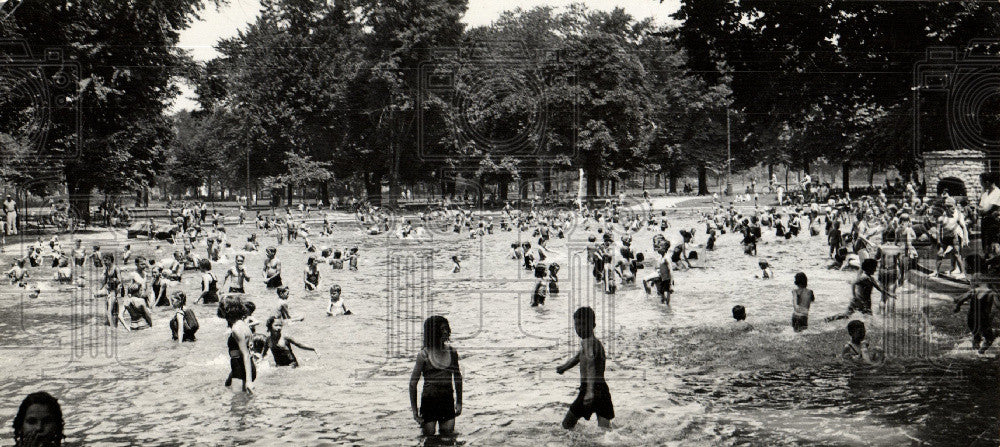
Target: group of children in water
613	262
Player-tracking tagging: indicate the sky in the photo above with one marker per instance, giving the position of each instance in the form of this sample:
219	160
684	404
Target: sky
226	21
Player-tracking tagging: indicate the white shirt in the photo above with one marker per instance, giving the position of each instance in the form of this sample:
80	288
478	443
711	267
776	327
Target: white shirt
989	199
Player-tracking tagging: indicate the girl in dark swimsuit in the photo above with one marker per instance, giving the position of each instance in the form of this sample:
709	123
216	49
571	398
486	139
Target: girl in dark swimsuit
184	324
209	285
281	346
233	309
438	364
159	286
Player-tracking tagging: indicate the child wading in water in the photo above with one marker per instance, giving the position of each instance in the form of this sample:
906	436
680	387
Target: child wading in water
336	300
209	285
594	396
184	319
281	346
234	310
311	275
857	349
802	298
541	286
437	363
861	291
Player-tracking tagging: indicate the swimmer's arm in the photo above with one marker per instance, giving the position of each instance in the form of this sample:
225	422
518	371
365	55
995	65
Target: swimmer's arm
293	342
418	370
457	376
880	289
180	327
121	316
241	339
573	361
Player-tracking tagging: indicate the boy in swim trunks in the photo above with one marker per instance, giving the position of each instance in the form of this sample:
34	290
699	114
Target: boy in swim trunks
594	396
239	275
272	269
136	308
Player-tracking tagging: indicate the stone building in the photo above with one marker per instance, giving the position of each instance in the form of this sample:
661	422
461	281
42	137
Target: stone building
955	171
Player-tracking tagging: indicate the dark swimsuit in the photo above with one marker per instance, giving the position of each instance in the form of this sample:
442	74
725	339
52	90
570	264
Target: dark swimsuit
188	318
437	401
161	298
283	355
212	294
236	360
312	278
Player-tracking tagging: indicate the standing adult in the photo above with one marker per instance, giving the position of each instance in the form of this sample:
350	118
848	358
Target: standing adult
989	209
10	209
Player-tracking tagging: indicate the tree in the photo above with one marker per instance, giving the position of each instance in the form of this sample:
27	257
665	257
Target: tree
124	89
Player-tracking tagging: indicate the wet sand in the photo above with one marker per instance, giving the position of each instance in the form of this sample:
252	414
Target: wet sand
679	376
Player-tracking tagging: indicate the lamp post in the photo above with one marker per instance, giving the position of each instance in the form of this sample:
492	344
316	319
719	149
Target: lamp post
729	157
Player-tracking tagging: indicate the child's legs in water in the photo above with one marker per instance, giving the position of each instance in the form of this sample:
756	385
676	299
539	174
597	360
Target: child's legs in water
603	423
444	427
570	420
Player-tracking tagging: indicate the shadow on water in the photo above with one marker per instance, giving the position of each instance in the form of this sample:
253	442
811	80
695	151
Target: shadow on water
440	441
928	403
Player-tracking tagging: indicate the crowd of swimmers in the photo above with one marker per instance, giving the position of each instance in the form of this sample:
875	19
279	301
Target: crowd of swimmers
858	231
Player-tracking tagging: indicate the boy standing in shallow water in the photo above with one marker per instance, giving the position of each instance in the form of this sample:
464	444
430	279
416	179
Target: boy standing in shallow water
802	298
594	396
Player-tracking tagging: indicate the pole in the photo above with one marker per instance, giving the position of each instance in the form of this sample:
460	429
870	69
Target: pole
248	177
729	157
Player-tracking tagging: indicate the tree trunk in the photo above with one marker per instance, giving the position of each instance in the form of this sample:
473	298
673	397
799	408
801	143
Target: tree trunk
79	200
289	194
847	176
324	191
871	176
614	187
591	184
702	179
373	188
656	181
770	172
673	173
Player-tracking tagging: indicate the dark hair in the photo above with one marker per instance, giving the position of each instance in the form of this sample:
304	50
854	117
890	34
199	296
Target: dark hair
270	323
869	265
739	312
233	307
539	271
433	326
856	328
38	398
204	264
586	317
801	280
179	296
